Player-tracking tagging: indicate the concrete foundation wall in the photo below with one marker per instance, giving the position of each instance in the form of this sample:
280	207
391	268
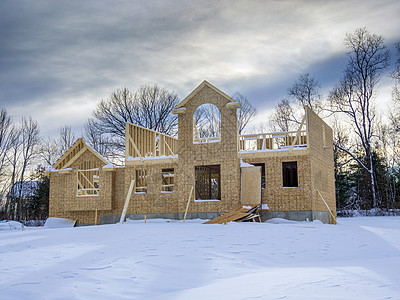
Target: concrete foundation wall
309	215
111	219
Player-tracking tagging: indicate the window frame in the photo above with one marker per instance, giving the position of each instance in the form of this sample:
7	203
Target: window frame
207	176
141	184
167	180
290	174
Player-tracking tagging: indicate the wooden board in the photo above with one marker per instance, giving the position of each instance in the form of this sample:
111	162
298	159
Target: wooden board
238	213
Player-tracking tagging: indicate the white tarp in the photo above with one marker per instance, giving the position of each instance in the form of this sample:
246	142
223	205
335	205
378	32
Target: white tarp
59	223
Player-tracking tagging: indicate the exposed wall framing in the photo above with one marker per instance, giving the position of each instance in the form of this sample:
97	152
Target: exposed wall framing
168	176
141	181
208	182
142	142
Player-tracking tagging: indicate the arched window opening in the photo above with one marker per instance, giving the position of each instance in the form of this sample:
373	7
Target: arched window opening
207	124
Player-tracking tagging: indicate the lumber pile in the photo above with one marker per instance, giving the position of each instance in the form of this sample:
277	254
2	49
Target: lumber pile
239	213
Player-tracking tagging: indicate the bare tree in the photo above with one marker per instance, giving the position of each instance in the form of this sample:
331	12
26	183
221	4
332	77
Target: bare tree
13	158
5	136
49	151
29	143
283	118
395	109
52	148
354	94
207	118
66	138
103	143
305	91
149	106
246	112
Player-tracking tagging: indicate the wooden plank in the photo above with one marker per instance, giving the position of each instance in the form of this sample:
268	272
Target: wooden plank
215	120
329	209
135	147
187	205
238	213
297	134
169	148
83	175
76	156
128	197
127	143
196	131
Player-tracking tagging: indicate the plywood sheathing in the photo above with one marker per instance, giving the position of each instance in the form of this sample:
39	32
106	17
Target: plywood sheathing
223	153
250	185
63	198
321	163
274	194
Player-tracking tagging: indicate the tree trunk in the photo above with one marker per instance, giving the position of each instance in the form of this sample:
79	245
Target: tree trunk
372	177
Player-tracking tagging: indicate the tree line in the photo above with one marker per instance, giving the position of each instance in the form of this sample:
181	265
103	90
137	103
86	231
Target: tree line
366	142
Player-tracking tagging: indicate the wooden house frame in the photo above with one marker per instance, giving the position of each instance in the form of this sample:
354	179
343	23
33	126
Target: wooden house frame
290	174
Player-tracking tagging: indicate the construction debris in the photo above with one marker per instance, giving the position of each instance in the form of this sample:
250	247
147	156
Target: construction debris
239	213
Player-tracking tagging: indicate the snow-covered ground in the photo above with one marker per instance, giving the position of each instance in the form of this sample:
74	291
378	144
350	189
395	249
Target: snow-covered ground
357	259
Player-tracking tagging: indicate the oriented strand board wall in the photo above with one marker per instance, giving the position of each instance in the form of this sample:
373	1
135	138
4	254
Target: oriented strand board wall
250	185
223	153
63	201
275	195
154	201
321	161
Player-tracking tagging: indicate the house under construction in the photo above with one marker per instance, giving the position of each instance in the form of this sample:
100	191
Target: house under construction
289	174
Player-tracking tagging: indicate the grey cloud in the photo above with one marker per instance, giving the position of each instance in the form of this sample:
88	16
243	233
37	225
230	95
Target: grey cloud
69	52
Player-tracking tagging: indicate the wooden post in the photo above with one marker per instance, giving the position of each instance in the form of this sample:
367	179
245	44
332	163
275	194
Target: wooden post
195	130
187	205
298	134
329	209
215	121
95	217
128	197
145	218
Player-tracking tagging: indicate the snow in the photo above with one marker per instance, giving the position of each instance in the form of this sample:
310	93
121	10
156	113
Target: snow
357	259
264	206
108	166
11	225
130	158
180	109
206	200
245	164
283	148
60	170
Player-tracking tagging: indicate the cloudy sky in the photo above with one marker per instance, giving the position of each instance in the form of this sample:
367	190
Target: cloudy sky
59	58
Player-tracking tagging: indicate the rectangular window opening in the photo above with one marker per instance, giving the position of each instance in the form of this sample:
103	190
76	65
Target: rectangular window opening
262	165
208	182
167	181
289	174
88	179
141	182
